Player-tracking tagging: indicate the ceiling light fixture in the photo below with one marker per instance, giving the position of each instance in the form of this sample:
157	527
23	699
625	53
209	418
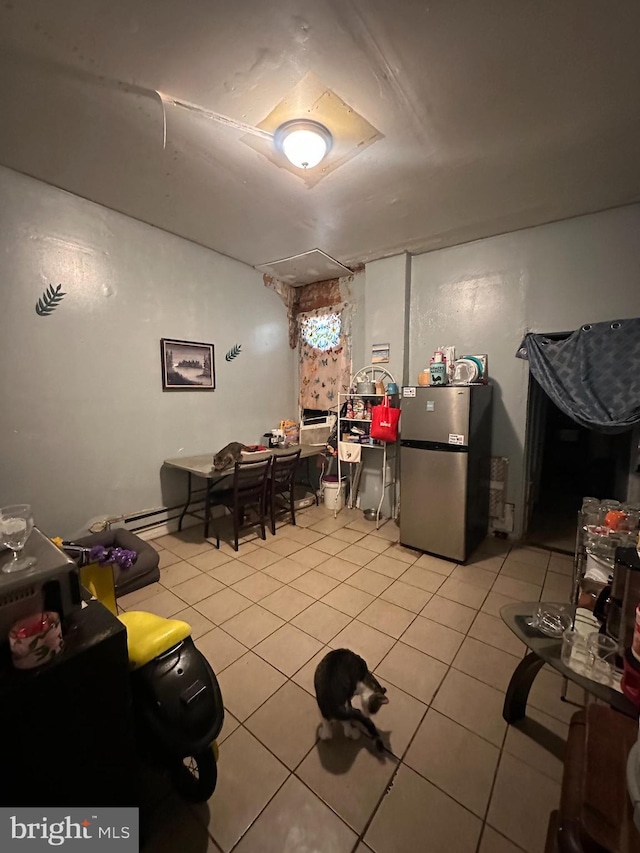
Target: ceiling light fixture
304	142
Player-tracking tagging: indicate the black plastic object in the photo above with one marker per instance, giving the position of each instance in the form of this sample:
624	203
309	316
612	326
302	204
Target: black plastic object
195	776
600	607
179	700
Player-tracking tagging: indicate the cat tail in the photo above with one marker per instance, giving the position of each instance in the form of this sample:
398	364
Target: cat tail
355	715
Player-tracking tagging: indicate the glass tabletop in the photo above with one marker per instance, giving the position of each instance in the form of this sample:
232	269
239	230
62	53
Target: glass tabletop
517	617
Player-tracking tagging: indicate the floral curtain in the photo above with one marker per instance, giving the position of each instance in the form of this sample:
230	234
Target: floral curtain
324	357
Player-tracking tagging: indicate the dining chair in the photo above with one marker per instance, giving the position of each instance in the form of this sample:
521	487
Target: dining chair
249	489
281	484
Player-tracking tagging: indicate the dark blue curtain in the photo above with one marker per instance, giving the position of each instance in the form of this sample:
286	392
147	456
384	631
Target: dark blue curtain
592	374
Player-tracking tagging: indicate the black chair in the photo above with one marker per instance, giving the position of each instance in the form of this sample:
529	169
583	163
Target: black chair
281	482
249	489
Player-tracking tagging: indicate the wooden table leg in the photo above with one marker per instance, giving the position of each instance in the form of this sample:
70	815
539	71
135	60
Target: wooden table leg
515	700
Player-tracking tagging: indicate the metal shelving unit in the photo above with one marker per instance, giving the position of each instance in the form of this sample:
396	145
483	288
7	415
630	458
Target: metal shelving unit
387	450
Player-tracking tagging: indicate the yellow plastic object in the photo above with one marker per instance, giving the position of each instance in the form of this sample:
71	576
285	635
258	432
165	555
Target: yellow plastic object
149	635
216	750
98	580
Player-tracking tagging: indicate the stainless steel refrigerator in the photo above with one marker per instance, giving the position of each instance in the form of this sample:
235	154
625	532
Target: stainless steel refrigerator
445	452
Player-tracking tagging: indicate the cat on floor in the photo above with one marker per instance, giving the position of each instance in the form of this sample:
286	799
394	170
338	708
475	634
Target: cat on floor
341	675
228	456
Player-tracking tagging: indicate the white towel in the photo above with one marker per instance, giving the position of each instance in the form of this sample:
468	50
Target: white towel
349	451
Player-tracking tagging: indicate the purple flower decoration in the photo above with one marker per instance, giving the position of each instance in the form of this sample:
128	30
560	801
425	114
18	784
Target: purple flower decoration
124	558
98	554
105	556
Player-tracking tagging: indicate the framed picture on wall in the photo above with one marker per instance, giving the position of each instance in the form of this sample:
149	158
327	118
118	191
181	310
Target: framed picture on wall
187	366
379	353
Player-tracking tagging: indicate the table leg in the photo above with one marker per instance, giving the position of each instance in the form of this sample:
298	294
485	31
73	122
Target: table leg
307	481
186	506
207	511
515	700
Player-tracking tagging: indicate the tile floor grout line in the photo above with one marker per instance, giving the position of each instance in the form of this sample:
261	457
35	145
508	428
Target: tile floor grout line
435	784
249	648
450	666
437	690
387	789
495	775
262	810
355	618
402	762
485	821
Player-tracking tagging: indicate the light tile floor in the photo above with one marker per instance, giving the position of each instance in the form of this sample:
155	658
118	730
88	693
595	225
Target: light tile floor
455	777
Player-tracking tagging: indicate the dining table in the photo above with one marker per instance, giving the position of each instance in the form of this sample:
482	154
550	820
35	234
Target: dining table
201	468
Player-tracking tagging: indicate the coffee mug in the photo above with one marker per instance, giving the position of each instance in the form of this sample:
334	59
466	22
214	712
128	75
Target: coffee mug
392	388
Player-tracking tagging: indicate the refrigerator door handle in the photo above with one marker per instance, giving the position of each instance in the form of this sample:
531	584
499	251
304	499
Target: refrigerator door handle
434	445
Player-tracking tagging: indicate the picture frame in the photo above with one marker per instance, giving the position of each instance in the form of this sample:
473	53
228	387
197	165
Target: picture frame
187	365
379	353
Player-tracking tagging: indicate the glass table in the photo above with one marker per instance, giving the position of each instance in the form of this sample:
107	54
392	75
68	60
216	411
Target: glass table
546	650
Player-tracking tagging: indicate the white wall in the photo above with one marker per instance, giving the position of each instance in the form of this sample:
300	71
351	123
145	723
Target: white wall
484	296
386	310
84	422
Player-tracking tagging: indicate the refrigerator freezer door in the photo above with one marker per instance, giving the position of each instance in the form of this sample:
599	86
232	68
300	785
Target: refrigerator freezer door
433	502
437	414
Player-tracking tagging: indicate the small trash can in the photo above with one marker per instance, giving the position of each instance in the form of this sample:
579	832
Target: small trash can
333	490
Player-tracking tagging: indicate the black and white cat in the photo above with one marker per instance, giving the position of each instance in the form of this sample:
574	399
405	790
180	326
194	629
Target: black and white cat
228	456
341	675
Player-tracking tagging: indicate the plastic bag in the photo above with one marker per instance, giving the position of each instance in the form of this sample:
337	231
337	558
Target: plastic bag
384	422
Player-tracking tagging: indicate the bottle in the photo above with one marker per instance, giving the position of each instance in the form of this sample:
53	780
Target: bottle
438	369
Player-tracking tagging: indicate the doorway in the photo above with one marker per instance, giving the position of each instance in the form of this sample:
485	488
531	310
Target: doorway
565	462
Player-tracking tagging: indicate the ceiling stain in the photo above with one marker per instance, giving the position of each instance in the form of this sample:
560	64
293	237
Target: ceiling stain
484	123
310	98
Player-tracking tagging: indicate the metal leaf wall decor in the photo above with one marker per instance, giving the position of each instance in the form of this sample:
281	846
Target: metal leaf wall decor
233	352
49	300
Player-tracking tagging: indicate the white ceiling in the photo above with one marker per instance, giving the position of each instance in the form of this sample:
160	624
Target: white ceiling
495	115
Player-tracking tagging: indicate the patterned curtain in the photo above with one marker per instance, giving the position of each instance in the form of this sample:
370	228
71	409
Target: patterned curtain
324	357
592	374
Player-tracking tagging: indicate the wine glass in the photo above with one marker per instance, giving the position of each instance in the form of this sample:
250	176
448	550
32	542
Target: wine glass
16	524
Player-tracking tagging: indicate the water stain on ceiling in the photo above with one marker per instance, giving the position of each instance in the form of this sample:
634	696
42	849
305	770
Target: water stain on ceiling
453	120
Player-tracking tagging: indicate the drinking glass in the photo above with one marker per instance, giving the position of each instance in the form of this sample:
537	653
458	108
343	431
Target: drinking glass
16	524
601	645
593	517
602	651
610	504
602	670
574	652
628	526
589	503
